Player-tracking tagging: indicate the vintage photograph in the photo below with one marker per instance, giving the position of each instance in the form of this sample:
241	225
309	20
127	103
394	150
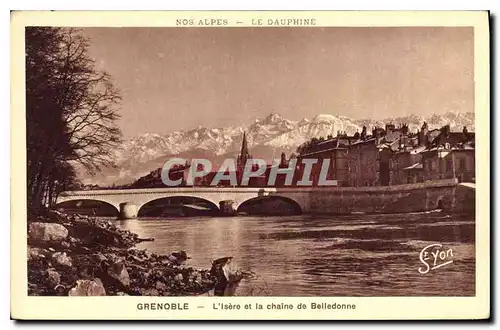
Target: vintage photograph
251	161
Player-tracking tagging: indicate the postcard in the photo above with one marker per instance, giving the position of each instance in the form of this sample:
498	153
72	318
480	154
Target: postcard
250	165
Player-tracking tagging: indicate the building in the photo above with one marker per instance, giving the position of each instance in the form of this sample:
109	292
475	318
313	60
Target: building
392	156
154	179
363	162
244	154
406	166
336	150
370	159
450	155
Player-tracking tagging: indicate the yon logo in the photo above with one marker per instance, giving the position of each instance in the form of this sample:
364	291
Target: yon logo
434	256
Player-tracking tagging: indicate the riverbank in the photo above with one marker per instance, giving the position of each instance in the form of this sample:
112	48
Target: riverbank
79	255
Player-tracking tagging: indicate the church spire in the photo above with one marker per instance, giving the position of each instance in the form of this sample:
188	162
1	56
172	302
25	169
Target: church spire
244	154
244	146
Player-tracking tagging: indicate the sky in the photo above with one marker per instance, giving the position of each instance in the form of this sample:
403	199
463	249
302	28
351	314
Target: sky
180	78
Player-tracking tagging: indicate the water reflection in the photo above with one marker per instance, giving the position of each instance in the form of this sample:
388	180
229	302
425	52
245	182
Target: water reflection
362	255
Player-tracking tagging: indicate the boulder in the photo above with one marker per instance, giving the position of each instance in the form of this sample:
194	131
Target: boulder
179	277
52	278
62	259
88	288
227	276
36	253
232	272
47	232
178	258
65	245
119	272
161	286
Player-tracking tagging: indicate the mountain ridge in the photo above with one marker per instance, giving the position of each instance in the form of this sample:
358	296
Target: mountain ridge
267	138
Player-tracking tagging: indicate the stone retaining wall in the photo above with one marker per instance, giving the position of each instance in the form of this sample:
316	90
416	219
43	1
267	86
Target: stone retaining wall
426	196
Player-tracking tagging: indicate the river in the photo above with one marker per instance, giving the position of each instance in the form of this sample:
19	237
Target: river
304	255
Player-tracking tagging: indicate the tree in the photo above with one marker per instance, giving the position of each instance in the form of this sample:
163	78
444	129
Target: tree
70	112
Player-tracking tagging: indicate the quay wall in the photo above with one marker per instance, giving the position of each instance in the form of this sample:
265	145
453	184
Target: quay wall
448	195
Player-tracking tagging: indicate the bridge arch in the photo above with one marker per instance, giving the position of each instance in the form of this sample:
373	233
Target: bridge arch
270	204
88	206
177	205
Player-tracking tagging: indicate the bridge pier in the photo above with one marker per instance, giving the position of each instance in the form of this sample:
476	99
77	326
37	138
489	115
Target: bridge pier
128	211
228	207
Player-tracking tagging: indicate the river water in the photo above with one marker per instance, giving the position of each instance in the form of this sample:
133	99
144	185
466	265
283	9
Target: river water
356	255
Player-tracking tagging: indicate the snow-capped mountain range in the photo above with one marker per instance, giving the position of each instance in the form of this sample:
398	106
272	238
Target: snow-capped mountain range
267	138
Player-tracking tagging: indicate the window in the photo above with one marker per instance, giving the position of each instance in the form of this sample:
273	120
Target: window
449	166
461	164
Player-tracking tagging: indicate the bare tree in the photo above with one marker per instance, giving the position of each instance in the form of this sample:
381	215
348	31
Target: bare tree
89	99
71	111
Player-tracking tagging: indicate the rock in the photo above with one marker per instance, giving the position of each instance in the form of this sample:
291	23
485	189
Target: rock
88	288
178	258
147	239
232	271
52	249
119	272
62	259
121	294
60	290
47	232
52	278
161	286
74	240
112	257
81	220
193	275
227	276
65	245
36	253
99	257
57	216
145	276
150	292
179	277
133	250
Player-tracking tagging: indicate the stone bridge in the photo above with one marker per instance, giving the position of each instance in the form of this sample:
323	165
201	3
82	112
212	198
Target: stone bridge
129	201
424	196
